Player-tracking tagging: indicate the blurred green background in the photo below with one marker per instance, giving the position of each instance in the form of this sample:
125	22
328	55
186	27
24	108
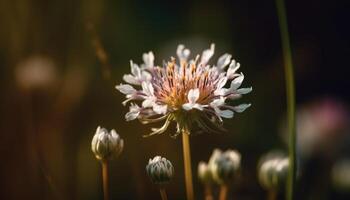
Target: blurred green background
54	93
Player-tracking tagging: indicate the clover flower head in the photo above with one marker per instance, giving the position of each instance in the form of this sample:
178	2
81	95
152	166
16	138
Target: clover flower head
190	92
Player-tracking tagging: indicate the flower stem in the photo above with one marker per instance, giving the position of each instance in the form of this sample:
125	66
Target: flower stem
208	193
105	179
288	67
163	193
223	192
187	165
271	195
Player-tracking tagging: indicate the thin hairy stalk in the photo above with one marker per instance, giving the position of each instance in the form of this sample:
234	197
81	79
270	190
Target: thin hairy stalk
105	179
223	192
290	91
163	193
187	165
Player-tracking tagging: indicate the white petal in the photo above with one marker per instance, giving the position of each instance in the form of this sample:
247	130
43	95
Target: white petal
236	82
207	54
244	90
148	59
220	92
131	115
182	53
217	102
193	95
179	49
135	69
221	82
160	109
147	88
125	88
147	103
223	61
146	76
187	106
234	96
241	108
232	69
198	106
130	79
226	113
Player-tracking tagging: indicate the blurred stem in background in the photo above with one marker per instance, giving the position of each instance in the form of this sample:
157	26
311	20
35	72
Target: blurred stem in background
105	179
223	192
99	51
208	193
289	76
272	195
187	164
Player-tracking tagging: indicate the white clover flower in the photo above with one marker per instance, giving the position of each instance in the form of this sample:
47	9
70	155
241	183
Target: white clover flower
191	93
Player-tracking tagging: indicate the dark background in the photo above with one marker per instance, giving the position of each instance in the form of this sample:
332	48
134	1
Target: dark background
46	129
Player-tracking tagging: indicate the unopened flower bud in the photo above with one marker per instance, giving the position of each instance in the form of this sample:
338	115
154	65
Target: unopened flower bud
160	170
204	173
106	145
273	173
225	166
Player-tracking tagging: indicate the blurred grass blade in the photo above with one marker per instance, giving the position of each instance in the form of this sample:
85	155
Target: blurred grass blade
288	67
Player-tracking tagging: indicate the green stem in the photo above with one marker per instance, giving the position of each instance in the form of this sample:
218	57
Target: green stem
288	67
187	165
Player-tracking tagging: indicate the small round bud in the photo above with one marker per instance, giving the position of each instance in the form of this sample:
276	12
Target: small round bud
273	173
160	170
225	166
106	145
204	173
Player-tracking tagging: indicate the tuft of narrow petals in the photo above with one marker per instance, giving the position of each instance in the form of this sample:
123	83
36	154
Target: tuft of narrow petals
137	75
173	91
